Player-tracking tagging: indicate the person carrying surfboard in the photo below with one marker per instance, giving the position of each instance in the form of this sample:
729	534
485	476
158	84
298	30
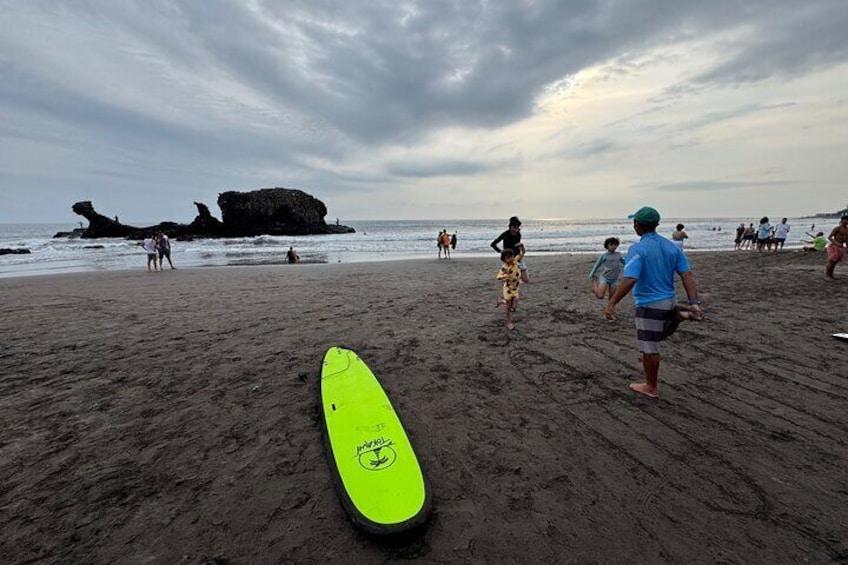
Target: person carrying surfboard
649	273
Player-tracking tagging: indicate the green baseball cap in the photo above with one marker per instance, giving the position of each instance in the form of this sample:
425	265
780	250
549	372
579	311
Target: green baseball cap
646	216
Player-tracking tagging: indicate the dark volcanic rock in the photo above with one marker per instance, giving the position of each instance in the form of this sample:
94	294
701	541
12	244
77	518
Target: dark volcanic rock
98	224
7	251
271	211
274	211
78	232
204	224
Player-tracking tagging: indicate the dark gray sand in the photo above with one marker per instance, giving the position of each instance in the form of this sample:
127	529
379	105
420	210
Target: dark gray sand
173	417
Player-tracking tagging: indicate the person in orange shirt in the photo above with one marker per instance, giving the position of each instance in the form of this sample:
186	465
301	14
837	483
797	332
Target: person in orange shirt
446	243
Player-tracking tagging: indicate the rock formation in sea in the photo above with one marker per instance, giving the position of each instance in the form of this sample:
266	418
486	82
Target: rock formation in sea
274	211
269	211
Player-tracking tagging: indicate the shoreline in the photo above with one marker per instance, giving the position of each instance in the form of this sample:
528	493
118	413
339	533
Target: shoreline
369	260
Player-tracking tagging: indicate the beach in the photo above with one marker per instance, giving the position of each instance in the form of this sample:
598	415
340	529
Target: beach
173	417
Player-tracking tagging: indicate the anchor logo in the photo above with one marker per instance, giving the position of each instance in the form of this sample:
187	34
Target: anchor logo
376	455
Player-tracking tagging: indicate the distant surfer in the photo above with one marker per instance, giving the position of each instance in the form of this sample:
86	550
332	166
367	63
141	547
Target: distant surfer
838	239
511	238
649	273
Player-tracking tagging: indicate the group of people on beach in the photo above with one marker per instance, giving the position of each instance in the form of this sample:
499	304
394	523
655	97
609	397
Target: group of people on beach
158	248
445	243
648	272
765	237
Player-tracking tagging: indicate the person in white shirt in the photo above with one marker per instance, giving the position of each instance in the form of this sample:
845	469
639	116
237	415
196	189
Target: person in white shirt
781	230
149	245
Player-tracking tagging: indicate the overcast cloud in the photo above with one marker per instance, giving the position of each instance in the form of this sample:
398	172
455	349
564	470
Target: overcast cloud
424	109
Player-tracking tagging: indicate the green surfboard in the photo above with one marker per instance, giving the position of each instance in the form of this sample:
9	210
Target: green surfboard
375	471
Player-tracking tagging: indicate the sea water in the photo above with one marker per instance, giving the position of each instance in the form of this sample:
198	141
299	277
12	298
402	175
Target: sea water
373	241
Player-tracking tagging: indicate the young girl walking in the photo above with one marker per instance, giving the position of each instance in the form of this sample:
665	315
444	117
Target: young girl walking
510	274
607	269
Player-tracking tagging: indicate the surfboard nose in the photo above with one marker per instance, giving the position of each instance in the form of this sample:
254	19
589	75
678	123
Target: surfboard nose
336	360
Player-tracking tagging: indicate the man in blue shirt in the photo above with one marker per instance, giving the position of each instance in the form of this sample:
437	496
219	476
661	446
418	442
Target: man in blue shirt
649	273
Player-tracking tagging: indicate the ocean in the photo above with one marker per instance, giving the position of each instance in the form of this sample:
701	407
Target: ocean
373	241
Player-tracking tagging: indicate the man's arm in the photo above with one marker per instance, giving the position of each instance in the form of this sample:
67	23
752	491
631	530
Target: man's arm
690	284
623	290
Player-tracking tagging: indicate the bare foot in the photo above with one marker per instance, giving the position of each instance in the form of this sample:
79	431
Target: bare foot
510	326
500	302
643	388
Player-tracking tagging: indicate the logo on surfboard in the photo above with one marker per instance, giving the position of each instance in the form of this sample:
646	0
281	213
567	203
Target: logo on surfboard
376	454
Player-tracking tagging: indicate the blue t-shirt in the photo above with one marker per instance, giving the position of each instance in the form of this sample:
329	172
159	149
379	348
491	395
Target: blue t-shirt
653	262
764	231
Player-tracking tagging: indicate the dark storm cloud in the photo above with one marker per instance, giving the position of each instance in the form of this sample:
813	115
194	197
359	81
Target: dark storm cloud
387	70
233	89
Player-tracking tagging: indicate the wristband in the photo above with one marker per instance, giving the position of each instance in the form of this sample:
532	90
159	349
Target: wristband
694	303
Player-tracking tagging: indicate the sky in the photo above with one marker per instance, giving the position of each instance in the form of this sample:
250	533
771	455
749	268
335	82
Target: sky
425	110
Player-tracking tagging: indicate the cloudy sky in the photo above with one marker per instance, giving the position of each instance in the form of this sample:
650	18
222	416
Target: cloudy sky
425	109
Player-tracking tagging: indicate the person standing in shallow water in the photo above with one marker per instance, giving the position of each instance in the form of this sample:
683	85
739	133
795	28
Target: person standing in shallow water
292	256
164	246
679	235
149	246
649	273
740	233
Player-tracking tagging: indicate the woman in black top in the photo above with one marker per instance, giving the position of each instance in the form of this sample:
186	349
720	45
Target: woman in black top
511	239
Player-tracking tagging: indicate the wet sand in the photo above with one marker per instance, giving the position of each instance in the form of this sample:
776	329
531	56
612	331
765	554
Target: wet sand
173	417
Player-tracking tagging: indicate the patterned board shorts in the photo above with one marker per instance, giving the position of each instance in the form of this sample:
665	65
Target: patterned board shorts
651	324
834	253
